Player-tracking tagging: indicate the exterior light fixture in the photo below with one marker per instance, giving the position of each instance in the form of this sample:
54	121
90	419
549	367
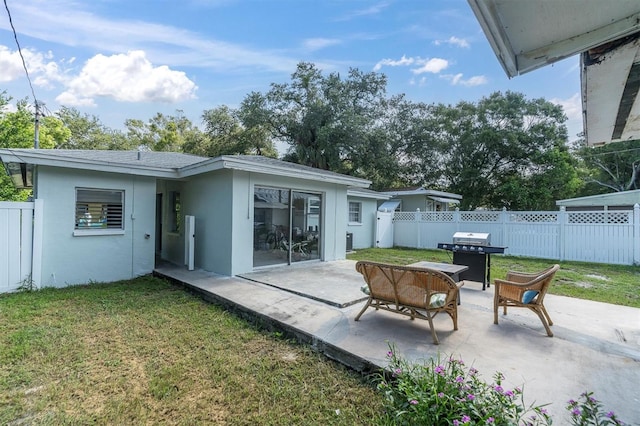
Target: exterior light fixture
21	174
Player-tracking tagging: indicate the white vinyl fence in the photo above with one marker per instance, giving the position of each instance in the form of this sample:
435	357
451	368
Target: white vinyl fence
592	236
20	244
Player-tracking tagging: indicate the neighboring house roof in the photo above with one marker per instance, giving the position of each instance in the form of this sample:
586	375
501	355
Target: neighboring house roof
624	198
366	193
444	197
170	165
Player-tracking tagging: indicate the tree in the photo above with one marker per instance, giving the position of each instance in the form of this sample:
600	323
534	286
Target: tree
612	167
88	132
504	151
17	130
163	133
328	122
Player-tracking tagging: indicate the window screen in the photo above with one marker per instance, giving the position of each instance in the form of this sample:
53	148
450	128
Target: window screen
99	209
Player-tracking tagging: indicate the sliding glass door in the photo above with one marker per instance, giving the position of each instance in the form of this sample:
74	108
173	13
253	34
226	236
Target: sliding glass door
286	226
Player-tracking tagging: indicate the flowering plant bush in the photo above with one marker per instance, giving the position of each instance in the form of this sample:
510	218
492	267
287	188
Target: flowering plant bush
588	411
446	392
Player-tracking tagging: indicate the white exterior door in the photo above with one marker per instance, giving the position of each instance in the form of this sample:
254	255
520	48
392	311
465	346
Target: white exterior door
384	230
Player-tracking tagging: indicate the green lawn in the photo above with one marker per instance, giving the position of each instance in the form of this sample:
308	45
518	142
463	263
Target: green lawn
615	284
147	352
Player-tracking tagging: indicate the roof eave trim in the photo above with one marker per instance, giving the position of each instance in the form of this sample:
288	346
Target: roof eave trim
74	163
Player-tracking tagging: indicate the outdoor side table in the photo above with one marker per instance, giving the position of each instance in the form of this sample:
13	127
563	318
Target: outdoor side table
450	269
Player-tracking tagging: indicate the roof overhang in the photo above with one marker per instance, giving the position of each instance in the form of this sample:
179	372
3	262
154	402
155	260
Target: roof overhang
610	77
366	193
426	192
529	34
38	158
445	200
241	164
623	198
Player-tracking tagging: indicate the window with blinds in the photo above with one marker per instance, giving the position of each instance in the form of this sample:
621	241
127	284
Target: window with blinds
99	209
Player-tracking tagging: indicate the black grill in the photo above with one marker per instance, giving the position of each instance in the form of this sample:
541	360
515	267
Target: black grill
476	256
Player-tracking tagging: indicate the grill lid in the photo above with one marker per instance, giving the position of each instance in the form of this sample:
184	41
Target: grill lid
472	238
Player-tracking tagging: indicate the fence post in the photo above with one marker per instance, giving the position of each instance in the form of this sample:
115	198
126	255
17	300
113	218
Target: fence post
504	218
417	222
456	219
36	257
562	221
636	234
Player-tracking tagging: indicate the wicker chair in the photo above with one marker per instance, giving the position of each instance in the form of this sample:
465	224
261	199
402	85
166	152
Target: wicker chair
413	292
525	290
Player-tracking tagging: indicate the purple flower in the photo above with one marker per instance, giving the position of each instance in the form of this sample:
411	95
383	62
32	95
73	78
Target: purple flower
473	371
518	389
509	393
491	420
576	412
610	414
398	370
456	423
459	379
544	411
471	397
413	402
440	395
389	354
498	389
572	402
465	419
439	369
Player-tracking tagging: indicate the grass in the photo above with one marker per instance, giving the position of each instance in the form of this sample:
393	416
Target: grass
147	352
616	284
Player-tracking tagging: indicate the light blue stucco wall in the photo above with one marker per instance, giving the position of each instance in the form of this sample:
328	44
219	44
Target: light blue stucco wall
333	220
364	232
222	203
69	259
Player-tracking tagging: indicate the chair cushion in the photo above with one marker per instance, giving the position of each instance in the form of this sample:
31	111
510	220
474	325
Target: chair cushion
437	300
365	290
528	296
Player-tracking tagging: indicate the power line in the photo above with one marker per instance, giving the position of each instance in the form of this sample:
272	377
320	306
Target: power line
24	64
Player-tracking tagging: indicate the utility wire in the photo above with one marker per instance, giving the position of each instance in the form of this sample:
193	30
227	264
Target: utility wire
24	64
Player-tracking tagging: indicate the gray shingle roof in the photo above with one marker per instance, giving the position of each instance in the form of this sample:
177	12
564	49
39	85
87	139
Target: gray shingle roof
163	160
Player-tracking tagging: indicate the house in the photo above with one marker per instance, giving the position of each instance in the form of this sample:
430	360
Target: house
414	198
361	224
624	200
110	215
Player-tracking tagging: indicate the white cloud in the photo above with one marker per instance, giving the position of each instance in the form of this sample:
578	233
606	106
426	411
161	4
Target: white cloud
421	82
319	43
458	80
371	10
41	71
127	77
404	61
454	41
572	106
433	65
10	64
573	109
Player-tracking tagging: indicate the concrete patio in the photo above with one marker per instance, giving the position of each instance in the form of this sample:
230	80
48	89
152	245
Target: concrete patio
596	346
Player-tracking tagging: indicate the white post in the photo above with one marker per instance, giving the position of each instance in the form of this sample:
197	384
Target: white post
504	218
562	222
636	234
38	226
417	222
456	219
189	241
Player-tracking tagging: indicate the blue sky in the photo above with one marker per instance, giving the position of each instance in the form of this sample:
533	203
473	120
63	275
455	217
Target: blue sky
120	59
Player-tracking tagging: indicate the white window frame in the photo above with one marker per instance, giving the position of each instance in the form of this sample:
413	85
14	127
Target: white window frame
358	220
99	205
